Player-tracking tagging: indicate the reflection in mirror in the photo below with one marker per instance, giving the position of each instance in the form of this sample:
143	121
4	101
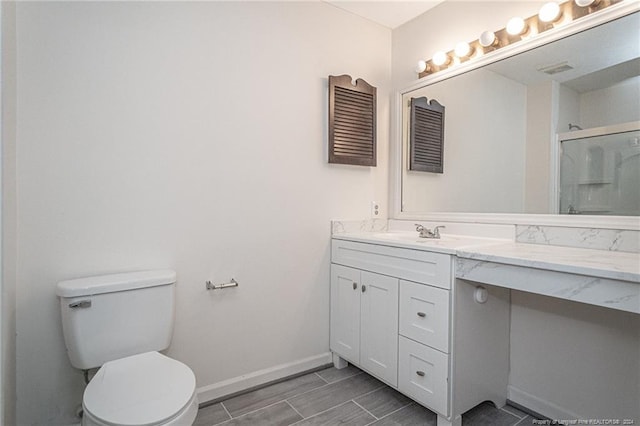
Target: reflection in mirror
426	135
600	171
503	119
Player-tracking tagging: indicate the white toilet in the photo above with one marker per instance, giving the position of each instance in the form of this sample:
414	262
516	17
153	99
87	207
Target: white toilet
118	323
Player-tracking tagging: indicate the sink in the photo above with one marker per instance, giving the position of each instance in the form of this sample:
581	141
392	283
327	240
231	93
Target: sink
447	243
412	236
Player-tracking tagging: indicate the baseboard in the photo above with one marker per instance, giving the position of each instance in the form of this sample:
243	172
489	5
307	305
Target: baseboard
235	385
539	405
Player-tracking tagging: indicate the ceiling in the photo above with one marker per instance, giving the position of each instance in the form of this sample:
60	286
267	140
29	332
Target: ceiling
598	58
389	13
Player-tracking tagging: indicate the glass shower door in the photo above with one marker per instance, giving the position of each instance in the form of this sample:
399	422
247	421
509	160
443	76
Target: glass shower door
600	172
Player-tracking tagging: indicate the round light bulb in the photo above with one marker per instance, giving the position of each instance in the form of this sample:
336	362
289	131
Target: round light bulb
440	58
516	26
549	12
585	3
421	67
462	50
487	38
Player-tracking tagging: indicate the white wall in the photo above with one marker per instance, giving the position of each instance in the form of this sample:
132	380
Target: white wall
541	112
612	105
569	108
559	335
8	155
583	359
189	136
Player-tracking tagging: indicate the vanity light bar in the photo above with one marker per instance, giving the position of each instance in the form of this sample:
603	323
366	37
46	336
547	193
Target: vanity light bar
550	16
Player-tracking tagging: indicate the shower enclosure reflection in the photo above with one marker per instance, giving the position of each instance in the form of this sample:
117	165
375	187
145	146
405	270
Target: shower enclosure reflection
600	171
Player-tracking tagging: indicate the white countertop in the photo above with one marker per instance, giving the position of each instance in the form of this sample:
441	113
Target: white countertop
597	263
448	244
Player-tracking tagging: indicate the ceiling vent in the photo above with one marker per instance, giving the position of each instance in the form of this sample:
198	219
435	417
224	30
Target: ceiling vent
556	68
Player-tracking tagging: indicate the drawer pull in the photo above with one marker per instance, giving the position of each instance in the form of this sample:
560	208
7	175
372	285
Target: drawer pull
364	288
422	314
420	373
355	285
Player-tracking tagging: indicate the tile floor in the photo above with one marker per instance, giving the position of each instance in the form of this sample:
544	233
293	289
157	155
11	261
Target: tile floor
339	397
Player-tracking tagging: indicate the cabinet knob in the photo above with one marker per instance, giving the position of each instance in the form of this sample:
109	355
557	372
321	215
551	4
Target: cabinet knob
355	285
420	373
364	288
422	314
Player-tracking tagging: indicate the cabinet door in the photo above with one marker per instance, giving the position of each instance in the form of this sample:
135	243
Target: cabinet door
379	326
345	313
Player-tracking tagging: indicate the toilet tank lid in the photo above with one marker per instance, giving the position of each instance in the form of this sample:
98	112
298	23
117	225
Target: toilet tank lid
115	282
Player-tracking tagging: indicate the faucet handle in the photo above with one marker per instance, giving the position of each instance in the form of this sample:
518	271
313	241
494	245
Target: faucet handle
436	231
419	227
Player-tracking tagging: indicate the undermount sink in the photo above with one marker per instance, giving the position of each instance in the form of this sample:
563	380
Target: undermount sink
412	236
447	243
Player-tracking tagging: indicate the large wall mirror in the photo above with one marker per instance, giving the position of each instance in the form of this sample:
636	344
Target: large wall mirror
505	121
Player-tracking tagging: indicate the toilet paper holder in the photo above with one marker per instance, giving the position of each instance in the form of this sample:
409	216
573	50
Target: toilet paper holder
211	286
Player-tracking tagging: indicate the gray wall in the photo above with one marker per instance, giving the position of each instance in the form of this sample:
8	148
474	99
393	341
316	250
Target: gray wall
9	236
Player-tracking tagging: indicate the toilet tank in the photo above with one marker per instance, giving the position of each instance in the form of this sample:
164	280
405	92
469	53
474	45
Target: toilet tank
113	316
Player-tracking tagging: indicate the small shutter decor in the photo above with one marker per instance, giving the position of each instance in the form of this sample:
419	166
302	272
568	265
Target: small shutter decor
352	121
426	136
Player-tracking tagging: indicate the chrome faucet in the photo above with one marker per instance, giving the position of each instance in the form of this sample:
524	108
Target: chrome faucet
428	233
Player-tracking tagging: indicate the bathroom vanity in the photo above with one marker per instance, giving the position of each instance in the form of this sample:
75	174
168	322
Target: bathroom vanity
458	335
431	317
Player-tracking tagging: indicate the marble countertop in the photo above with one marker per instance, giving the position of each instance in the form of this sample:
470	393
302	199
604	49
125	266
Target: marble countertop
448	243
596	263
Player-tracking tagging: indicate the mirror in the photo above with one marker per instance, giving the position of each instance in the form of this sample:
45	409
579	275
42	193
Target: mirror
501	153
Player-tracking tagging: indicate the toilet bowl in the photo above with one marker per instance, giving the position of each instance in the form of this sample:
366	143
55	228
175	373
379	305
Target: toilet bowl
147	389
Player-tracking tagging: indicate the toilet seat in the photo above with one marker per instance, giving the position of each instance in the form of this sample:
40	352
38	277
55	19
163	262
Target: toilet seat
145	389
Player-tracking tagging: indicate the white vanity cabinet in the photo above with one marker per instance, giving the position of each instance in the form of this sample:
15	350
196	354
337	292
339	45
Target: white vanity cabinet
399	314
364	320
397	328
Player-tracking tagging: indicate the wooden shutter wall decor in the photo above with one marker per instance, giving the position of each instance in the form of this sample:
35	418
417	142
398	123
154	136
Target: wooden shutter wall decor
352	121
426	136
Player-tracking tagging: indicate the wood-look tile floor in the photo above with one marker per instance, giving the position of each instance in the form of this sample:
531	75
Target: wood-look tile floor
340	397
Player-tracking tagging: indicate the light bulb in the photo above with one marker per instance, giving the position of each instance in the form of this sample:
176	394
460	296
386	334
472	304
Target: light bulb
585	3
549	12
462	50
422	65
487	38
516	26
440	58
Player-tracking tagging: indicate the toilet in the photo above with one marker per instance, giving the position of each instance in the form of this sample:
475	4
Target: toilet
118	323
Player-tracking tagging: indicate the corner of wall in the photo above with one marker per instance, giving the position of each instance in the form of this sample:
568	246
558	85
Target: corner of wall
8	214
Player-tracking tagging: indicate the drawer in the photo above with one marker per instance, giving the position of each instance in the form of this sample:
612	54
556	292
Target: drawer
422	375
424	314
413	265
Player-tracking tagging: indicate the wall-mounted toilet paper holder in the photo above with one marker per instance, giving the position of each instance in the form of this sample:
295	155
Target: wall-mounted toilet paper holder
211	286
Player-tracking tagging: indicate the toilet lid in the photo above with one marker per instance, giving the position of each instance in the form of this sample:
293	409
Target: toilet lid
143	389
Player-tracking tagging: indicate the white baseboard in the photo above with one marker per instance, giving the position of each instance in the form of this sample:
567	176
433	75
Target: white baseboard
540	406
260	377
